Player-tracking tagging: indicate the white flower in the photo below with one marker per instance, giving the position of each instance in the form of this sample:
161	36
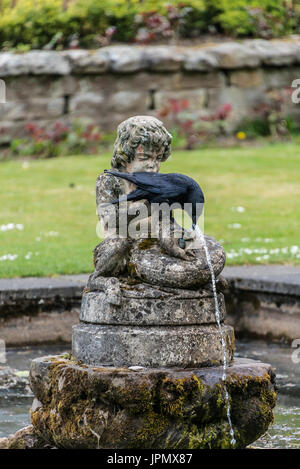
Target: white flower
235	226
12	226
245	240
238	209
9	257
294	249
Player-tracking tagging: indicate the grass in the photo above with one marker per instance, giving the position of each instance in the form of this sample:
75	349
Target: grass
55	201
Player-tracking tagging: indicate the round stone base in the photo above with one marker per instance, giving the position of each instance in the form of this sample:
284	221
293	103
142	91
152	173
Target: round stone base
79	406
152	346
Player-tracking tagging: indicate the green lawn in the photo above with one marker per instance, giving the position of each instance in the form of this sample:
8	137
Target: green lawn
55	202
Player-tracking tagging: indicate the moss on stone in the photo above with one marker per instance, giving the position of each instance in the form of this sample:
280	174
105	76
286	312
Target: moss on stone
131	268
88	407
153	426
146	243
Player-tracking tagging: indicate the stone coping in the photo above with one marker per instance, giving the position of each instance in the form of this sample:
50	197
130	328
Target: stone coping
281	279
133	58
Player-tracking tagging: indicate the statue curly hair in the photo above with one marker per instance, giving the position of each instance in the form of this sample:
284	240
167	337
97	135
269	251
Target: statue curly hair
139	130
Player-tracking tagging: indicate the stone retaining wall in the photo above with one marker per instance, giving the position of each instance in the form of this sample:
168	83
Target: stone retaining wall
113	83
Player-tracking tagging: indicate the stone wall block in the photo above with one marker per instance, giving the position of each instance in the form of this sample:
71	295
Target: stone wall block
279	78
246	78
200	61
37	108
163	58
25	88
125	101
83	61
231	55
125	59
34	63
196	98
276	53
203	80
87	104
243	101
13	111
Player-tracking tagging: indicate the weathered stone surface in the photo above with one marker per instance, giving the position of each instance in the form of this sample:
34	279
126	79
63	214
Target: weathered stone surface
231	55
35	108
84	407
152	346
12	381
264	301
280	78
246	78
87	104
125	59
202	80
26	438
163	58
243	101
129	101
141	306
35	327
27	87
107	84
275	52
154	267
87	61
195	97
132	58
200	61
34	63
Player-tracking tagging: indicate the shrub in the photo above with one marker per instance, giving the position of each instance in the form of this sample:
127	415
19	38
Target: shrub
259	18
92	23
60	139
195	127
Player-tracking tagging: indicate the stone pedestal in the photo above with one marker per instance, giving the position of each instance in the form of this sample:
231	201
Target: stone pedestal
151	327
80	406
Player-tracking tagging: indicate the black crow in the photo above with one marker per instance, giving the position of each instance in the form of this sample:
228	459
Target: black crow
164	188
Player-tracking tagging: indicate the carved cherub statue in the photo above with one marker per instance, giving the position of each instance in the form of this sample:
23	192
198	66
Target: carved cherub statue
142	144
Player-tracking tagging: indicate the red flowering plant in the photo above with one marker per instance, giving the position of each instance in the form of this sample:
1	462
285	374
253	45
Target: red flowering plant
60	139
153	26
195	126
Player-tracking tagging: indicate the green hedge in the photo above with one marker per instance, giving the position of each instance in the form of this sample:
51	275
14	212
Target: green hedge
57	24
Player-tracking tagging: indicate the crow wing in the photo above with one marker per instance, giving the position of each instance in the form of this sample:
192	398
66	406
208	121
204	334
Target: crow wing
167	185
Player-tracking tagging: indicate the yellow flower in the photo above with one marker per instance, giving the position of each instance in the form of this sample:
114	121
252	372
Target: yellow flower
241	135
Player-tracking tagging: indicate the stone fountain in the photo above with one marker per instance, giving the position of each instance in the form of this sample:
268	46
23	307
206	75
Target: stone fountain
152	364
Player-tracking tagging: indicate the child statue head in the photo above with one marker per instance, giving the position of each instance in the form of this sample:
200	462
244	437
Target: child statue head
142	144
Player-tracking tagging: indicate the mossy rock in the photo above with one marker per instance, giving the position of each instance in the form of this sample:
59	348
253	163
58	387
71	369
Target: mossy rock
79	406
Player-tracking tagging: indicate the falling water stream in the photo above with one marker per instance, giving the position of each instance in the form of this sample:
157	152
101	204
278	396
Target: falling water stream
218	319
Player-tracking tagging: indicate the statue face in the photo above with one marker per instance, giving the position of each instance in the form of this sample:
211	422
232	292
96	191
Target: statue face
146	160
